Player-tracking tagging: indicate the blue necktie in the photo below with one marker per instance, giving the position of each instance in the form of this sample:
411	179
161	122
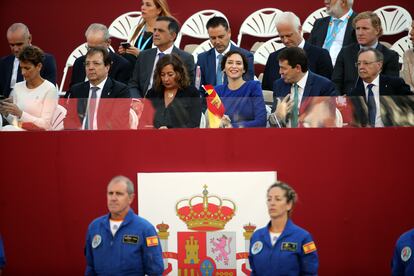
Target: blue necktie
372	107
160	55
219	73
91	108
295	109
332	35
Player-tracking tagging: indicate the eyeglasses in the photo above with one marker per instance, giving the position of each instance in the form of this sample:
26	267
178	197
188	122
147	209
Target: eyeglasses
94	63
365	63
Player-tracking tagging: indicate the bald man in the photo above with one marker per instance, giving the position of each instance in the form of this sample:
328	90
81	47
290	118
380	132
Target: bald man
18	36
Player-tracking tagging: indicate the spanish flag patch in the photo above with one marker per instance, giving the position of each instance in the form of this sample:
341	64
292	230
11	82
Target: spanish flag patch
152	241
309	247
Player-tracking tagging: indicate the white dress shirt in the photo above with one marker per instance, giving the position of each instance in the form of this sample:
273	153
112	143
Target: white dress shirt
98	97
375	90
157	57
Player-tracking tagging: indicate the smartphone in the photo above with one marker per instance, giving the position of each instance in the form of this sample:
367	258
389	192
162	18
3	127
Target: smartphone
126	45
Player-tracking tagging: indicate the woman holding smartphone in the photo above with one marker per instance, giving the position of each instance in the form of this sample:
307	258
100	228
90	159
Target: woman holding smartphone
141	38
33	101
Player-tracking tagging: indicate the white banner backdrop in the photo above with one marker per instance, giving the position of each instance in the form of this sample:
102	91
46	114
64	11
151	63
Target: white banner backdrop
158	194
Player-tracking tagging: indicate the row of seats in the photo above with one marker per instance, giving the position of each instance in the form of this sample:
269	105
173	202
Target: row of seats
260	23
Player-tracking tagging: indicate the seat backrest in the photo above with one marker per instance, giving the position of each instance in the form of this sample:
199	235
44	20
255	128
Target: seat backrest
203	47
81	50
122	26
78	52
394	19
262	53
402	45
133	119
307	25
58	117
261	23
195	25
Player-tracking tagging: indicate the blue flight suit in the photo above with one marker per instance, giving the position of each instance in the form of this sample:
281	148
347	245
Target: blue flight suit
286	257
403	259
2	256
129	252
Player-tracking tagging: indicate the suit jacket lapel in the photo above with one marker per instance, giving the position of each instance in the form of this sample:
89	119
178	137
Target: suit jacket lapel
308	86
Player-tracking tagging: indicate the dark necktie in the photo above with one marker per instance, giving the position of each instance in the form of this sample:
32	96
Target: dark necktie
91	108
372	108
219	72
295	109
160	55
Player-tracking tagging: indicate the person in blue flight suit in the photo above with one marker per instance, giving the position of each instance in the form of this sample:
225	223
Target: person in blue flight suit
403	260
2	257
281	247
121	242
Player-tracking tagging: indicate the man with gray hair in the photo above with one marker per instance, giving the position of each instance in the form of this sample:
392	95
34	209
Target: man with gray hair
372	85
335	31
121	242
18	37
290	32
98	35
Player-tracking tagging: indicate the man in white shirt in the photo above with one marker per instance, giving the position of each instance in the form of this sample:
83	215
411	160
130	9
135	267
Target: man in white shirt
290	32
100	102
372	85
165	32
18	37
295	85
334	31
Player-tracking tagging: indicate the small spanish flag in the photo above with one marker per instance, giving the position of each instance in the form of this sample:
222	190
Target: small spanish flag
152	241
215	108
309	247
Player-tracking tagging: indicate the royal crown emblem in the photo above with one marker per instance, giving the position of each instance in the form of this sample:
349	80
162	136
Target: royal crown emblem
205	212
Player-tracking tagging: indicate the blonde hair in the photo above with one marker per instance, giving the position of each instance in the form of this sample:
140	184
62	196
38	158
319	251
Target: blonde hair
165	11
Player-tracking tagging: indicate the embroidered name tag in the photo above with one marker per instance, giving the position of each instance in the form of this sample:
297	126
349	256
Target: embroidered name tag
289	246
131	239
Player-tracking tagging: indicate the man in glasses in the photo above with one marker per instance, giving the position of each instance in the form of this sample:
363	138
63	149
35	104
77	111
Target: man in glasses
18	36
98	35
372	85
368	30
101	103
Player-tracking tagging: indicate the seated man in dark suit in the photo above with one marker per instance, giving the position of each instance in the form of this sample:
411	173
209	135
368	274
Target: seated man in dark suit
335	31
18	36
165	32
372	85
290	32
210	62
368	29
101	102
98	35
296	84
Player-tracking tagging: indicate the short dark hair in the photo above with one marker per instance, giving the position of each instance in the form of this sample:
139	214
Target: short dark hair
173	26
294	56
379	56
99	49
183	80
234	52
216	21
32	54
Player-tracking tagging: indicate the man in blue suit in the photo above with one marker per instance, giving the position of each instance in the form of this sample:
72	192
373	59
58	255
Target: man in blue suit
18	36
220	34
290	32
296	84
